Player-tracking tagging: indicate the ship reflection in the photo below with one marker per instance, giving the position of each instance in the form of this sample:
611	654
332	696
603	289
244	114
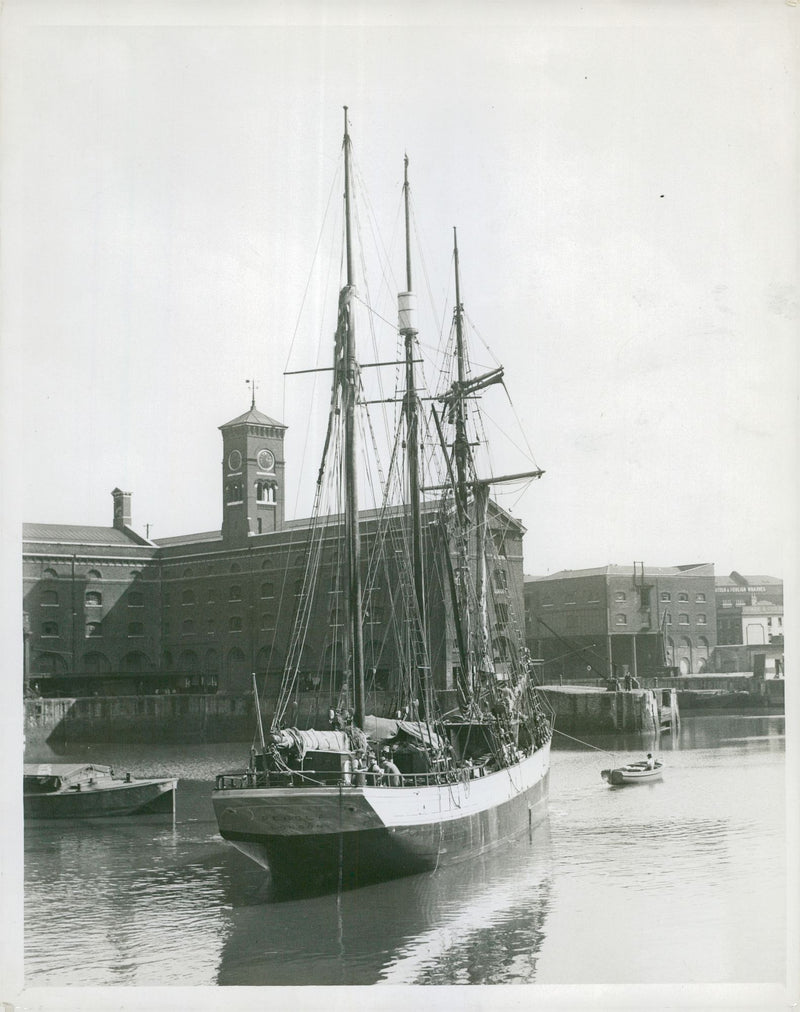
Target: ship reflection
482	922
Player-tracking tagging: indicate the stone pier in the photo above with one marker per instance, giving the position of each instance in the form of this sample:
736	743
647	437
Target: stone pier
589	709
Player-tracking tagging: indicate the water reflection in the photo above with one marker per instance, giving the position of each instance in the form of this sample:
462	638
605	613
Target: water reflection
479	922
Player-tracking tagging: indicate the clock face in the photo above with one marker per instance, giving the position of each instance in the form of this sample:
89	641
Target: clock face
266	460
234	460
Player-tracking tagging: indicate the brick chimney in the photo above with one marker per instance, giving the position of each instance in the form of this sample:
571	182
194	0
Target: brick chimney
122	509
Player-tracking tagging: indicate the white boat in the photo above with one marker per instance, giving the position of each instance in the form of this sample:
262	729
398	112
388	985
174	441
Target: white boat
86	790
634	773
314	806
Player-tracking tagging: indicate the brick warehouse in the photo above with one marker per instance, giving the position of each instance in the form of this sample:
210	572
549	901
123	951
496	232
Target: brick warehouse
601	619
107	611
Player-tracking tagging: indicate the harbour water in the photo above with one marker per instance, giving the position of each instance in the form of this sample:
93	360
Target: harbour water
679	880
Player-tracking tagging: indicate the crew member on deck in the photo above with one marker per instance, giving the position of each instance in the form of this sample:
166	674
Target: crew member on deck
650	763
391	772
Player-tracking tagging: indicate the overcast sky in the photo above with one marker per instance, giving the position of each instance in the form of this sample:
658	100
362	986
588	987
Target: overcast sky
623	178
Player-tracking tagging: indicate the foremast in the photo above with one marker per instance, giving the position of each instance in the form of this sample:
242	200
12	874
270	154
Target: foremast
348	378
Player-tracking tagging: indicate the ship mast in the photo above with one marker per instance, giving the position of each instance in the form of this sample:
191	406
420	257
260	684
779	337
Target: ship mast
461	443
407	314
349	379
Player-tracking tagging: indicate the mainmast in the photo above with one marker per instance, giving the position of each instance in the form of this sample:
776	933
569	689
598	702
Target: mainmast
461	443
349	385
407	320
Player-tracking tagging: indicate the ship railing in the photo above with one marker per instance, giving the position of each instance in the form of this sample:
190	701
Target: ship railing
250	779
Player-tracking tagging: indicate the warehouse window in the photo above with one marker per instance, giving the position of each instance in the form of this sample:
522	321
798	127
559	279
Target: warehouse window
93	598
701	620
621	620
135	629
50	599
93	630
683	618
50	629
665	595
235	624
235	594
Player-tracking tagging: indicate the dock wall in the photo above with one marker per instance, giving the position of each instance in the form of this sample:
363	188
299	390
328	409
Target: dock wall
162	718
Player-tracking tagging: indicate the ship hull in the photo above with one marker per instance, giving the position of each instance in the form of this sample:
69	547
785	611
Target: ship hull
349	836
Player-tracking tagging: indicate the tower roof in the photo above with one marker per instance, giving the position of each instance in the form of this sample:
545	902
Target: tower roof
253	417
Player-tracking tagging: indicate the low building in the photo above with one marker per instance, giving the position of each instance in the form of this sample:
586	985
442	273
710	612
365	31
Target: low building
600	622
749	609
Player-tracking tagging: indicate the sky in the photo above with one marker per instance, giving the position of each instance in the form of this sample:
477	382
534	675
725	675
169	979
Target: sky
623	179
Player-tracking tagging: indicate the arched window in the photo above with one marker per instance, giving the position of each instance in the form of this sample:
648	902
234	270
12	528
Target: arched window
96	663
668	617
50	664
619	595
135	629
235	593
235	567
700	598
211	626
702	620
665	595
50	574
94	599
187	626
235	623
135	660
50	629
93	630
621	620
500	579
187	597
94	574
683	596
683	618
188	571
268	589
50	599
135	599
271	490
211	595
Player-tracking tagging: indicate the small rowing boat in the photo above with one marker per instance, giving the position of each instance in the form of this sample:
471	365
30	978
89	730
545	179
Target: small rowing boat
85	790
634	773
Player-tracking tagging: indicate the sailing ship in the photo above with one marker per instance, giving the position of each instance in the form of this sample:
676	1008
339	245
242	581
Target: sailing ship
372	797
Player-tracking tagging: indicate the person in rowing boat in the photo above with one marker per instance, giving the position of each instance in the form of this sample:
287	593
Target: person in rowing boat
650	762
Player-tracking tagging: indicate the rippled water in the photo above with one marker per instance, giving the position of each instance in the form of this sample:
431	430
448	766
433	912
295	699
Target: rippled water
681	880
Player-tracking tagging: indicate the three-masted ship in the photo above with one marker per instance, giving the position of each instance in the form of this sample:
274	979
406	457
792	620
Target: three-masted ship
372	797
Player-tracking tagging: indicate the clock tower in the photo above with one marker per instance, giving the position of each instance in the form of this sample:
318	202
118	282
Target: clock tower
253	492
